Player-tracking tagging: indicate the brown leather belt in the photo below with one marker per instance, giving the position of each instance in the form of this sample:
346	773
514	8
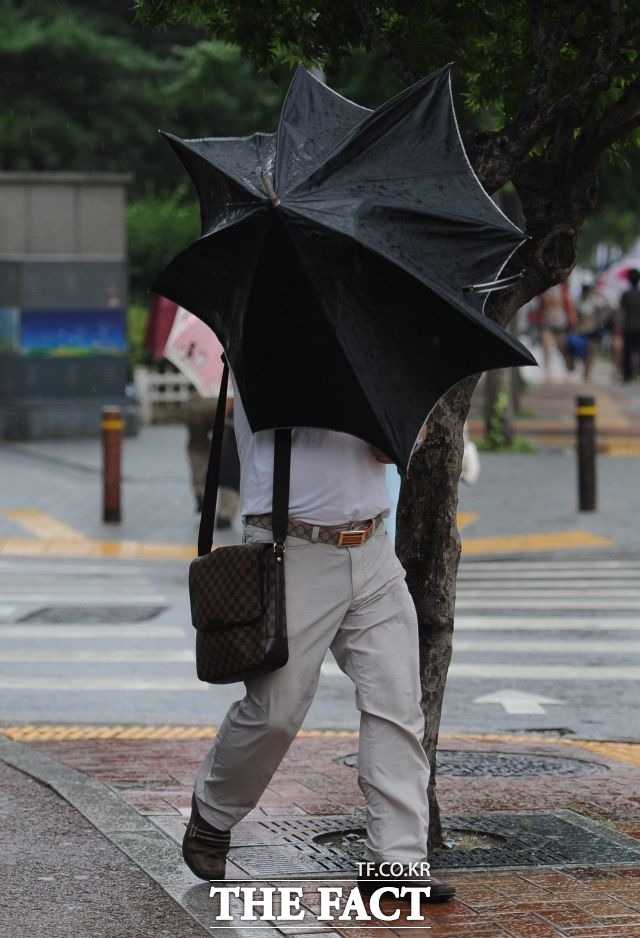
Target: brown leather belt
339	536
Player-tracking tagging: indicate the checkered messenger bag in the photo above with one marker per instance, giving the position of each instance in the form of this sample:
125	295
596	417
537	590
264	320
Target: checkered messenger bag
237	592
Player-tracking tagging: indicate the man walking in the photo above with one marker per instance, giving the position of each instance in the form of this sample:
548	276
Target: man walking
346	592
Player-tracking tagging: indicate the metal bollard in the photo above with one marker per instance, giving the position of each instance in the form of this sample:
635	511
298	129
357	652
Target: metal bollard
112	424
586	411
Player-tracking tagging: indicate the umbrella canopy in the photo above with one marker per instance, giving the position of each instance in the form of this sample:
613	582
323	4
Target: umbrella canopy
338	259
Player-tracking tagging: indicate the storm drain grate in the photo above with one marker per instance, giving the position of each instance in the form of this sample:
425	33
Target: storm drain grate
457	763
114	615
488	840
293	831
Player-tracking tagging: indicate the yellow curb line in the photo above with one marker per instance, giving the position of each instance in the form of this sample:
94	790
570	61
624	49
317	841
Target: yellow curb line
545	540
465	518
43	525
53	538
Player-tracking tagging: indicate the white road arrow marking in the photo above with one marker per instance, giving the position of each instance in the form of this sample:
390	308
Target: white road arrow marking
517	701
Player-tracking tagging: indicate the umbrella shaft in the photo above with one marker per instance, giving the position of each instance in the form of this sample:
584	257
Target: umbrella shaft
268	188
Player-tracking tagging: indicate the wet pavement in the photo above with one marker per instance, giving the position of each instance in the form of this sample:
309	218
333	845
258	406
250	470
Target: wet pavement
541	805
576	869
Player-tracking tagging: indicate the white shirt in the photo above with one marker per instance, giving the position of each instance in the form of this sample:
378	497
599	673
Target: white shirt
335	478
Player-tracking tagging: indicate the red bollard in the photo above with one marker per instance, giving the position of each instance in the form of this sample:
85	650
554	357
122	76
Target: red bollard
112	424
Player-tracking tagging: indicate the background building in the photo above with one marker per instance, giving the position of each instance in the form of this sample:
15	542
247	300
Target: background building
63	296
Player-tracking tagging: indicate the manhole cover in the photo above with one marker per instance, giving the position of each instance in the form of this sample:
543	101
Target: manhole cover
333	845
93	614
457	762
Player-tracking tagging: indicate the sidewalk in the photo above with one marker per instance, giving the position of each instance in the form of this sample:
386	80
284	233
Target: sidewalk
547	410
545	832
51	501
551	848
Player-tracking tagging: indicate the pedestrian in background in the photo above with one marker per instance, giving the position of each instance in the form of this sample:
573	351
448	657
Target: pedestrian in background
199	420
584	339
557	316
630	326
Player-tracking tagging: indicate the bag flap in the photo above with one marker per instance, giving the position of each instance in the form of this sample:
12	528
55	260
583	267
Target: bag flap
228	586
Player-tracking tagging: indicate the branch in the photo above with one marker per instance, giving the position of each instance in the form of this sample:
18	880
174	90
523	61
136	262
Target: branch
379	41
496	156
548	46
622	118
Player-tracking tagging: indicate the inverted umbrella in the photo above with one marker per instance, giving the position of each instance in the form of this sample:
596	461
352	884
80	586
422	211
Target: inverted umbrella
342	259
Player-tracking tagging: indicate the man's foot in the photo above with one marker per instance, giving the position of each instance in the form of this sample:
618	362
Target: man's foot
440	891
204	848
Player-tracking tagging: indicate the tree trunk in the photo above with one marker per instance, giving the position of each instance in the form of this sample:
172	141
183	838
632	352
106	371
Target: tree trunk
427	539
428	546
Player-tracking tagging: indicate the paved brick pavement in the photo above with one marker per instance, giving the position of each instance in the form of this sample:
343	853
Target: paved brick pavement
155	776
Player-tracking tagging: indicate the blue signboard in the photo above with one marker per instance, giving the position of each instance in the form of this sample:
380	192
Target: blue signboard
72	332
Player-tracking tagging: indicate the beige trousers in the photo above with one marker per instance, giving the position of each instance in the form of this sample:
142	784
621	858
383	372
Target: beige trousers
355	602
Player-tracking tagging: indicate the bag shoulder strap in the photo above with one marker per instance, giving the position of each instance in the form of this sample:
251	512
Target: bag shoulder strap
281	473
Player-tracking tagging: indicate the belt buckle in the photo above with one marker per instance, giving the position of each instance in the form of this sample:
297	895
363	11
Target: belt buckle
354	538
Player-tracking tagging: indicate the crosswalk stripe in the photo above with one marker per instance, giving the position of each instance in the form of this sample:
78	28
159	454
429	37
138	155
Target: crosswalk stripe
545	624
500	597
568	646
550	576
515	583
491	591
69	598
534	672
54	566
125	631
557	563
545	672
100	684
540	603
74	656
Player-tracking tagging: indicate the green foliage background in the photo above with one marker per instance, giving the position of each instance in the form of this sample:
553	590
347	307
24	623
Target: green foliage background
86	87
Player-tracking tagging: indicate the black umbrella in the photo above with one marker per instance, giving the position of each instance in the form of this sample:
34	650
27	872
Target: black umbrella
342	262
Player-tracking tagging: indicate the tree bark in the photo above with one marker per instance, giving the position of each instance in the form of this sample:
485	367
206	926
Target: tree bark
428	545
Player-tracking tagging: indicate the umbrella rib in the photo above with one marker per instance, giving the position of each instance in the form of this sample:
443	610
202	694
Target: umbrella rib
468	161
431	213
501	268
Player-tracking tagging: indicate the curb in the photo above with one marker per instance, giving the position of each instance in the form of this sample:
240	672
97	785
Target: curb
144	843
